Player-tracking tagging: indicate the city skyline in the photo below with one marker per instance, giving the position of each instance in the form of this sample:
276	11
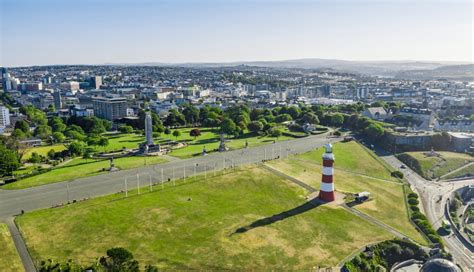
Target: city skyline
98	32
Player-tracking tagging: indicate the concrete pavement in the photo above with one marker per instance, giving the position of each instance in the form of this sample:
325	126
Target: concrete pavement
20	246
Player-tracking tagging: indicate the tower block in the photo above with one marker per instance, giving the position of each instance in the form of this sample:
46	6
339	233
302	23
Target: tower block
327	185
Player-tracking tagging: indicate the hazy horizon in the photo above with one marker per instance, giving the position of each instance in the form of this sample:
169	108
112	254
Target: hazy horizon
88	32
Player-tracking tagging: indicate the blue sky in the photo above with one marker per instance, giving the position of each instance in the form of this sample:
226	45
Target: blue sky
38	32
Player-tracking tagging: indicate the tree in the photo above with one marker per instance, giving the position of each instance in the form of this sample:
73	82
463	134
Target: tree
126	129
210	122
255	126
228	127
75	135
309	117
23	126
19	134
276	133
87	154
167	131
43	131
51	154
294	112
374	131
103	141
35	158
195	132
9	160
283	118
58	137
176	134
191	113
337	119
119	259
76	148
255	114
175	118
34	114
57	124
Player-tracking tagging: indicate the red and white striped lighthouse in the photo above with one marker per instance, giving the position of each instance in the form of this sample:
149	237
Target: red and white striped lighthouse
327	185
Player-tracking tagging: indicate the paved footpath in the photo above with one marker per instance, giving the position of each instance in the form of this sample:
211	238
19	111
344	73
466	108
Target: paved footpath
12	202
45	196
20	245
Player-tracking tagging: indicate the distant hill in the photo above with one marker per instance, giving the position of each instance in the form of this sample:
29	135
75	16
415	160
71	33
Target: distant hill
401	69
453	72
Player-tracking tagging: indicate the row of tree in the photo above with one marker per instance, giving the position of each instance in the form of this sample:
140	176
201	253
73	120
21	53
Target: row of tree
116	260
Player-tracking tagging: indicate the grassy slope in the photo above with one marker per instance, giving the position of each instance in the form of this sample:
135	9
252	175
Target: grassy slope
42	150
388	204
469	170
166	229
9	259
448	161
350	156
78	168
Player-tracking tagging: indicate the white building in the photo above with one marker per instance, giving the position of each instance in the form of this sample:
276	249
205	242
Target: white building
70	85
4	118
376	113
362	93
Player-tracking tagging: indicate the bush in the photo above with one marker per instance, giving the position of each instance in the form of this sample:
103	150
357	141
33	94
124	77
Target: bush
397	174
415	208
412	195
413	201
337	133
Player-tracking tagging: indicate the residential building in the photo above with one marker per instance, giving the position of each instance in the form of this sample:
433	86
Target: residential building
110	108
376	113
4	118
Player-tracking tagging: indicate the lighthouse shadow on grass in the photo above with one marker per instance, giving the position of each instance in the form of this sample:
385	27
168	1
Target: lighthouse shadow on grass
307	206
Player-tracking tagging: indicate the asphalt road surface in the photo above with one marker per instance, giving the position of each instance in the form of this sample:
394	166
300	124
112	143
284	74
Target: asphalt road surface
434	196
12	202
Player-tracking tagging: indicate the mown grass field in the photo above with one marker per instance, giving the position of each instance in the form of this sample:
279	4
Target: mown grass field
80	167
9	259
41	150
467	171
210	139
432	167
351	156
192	226
356	171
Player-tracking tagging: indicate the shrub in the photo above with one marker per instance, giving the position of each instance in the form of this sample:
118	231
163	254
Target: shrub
397	174
413	201
412	195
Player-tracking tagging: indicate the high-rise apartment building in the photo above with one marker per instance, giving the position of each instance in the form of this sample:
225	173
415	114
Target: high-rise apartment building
4	118
110	108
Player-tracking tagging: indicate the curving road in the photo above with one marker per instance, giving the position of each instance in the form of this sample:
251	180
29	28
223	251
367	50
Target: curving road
12	202
434	196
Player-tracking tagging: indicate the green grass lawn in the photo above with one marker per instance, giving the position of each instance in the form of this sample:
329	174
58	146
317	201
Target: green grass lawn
78	168
351	156
9	259
210	138
432	167
120	141
464	172
167	229
388	204
42	150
